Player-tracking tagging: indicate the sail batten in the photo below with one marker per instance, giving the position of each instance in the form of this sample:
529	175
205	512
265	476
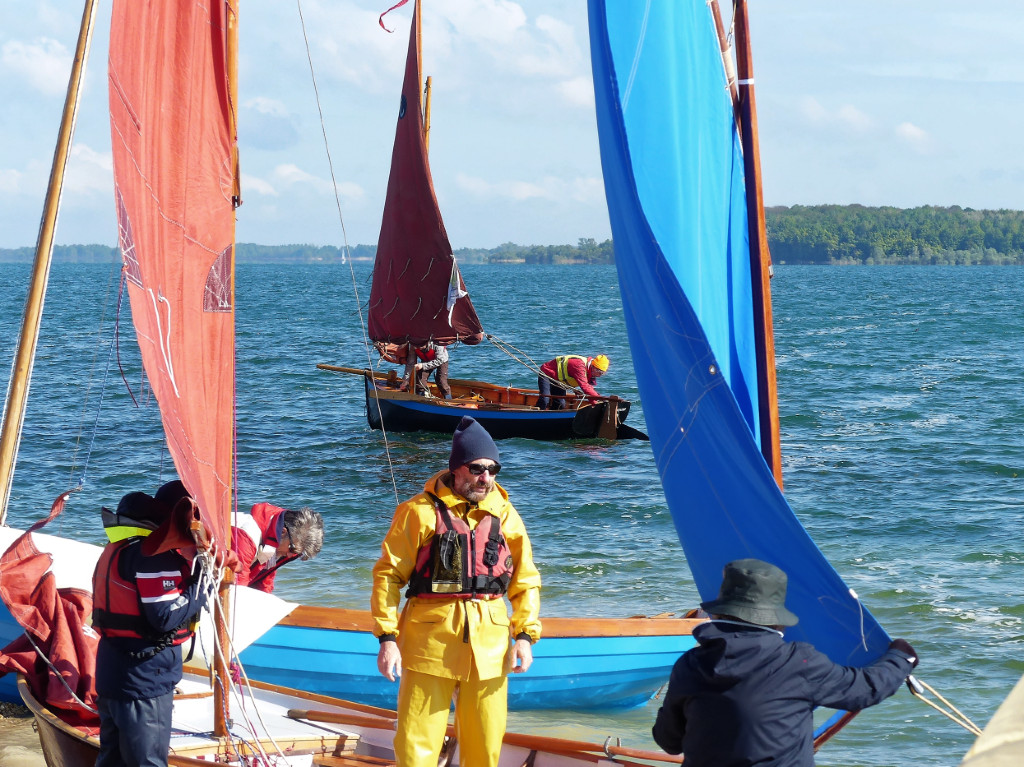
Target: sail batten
674	178
413	235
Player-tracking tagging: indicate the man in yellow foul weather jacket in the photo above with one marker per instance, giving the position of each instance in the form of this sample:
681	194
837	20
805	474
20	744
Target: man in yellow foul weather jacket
459	547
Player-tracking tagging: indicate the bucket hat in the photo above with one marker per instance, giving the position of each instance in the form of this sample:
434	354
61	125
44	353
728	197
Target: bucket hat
753	591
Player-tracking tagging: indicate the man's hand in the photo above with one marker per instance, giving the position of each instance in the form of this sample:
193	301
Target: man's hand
225	558
389	660
522	656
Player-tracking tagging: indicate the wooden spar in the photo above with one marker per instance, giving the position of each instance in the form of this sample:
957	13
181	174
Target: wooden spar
760	258
426	115
17	395
222	610
532	742
723	44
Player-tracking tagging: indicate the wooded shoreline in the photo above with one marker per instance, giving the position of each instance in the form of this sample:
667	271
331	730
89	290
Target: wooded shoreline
821	234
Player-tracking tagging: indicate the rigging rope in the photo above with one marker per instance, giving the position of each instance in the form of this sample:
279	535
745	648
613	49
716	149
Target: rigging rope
532	365
347	257
951	712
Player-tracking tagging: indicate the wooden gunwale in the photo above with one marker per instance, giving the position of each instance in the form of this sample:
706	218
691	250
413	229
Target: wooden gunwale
343	619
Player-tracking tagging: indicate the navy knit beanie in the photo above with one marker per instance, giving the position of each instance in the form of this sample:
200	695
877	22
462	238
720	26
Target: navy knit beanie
471	441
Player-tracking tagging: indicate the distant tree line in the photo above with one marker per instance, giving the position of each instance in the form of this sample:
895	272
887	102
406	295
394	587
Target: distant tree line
855	234
819	234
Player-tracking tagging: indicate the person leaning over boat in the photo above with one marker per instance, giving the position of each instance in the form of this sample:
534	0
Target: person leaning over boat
569	371
421	362
144	608
459	546
745	696
270	537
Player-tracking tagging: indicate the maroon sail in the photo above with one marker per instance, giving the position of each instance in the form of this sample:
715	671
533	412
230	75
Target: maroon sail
418	293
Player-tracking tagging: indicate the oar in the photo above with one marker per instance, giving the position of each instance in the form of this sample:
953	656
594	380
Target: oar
533	742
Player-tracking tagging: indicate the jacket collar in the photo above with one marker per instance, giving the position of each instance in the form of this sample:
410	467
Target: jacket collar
494	503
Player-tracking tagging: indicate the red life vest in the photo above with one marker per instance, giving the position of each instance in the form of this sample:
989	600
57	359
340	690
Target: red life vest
116	607
426	354
462	563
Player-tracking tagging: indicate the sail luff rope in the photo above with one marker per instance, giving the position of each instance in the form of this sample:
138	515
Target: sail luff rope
348	250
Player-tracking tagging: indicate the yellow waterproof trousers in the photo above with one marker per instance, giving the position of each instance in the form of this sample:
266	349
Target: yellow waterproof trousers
423	704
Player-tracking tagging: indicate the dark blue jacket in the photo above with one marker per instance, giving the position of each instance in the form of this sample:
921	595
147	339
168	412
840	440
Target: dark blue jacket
745	696
123	676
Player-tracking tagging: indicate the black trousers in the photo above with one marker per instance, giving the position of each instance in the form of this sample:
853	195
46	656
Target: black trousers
135	733
547	388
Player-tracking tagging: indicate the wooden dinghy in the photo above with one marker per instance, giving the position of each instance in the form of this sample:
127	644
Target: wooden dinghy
505	411
286	726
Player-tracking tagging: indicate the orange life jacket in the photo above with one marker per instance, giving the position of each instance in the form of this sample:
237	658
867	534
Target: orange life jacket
461	562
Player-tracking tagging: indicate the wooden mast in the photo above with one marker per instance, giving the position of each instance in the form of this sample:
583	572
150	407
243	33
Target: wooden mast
222	610
424	105
17	396
760	258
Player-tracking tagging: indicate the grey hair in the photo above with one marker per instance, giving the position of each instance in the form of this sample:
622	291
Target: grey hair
306	530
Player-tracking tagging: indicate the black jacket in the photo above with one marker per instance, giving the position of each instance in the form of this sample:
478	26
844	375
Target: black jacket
745	696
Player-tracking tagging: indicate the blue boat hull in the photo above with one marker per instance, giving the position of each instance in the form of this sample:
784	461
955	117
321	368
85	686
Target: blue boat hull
567	672
401	412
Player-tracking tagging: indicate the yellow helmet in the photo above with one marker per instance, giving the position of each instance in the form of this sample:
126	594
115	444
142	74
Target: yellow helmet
600	362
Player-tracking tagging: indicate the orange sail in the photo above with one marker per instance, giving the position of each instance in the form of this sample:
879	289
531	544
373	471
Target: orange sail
172	125
418	293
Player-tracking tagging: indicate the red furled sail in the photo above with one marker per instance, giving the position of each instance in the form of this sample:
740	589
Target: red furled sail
418	293
172	125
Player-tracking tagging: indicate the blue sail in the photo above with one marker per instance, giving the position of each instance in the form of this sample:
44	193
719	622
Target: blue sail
673	172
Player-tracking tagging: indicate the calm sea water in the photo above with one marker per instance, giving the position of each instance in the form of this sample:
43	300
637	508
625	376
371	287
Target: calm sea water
901	422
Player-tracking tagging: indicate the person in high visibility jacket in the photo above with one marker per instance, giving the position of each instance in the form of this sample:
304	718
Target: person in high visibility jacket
270	537
144	608
565	372
460	547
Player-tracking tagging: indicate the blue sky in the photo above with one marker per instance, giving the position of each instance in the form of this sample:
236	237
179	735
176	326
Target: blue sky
904	104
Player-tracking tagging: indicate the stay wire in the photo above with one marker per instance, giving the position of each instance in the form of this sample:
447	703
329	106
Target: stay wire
103	387
347	250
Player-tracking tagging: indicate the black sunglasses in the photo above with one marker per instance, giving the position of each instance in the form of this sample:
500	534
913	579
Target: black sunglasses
476	469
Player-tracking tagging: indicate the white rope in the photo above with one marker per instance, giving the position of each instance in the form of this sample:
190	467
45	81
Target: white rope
532	365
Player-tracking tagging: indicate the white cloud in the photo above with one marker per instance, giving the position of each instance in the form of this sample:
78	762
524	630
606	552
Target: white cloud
89	171
289	175
854	119
846	116
917	138
578	91
267	106
44	63
10	181
583	189
258	185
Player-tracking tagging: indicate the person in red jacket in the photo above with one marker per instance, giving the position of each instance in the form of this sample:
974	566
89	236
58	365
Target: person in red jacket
269	537
569	371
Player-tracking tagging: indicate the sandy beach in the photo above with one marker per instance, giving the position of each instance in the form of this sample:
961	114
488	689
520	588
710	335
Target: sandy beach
20	743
